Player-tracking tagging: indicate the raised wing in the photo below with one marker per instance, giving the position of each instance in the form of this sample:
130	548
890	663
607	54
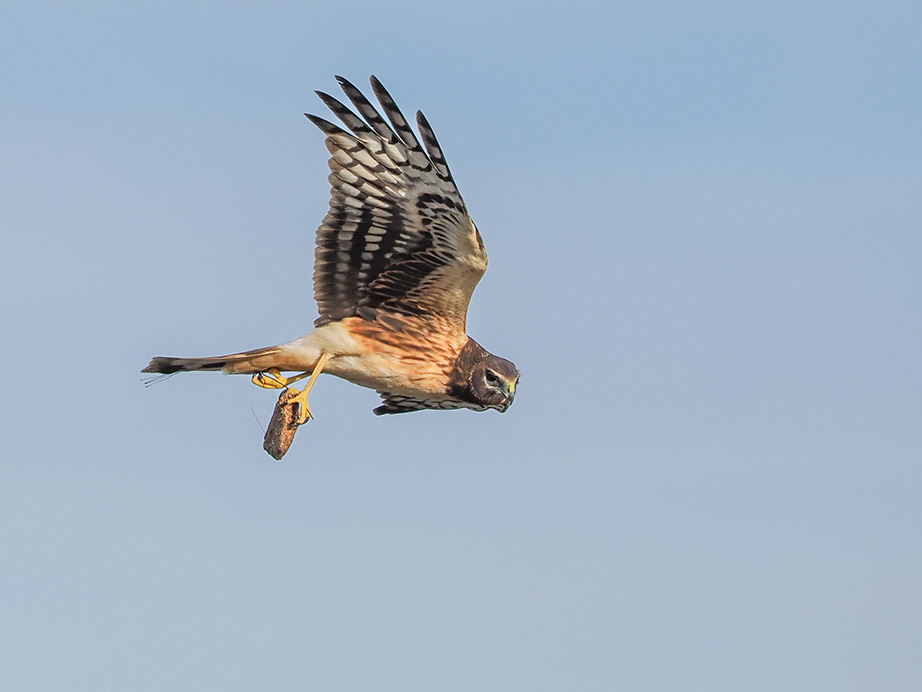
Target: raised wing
397	237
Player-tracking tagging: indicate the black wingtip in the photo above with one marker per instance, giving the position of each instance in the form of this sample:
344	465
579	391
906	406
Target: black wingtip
345	82
331	102
328	128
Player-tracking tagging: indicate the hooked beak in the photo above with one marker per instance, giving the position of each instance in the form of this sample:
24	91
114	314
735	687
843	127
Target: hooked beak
510	397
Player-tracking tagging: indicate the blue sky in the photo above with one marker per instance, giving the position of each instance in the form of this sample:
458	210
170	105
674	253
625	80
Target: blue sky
703	222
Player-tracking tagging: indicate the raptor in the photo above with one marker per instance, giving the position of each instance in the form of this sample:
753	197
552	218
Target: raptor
397	259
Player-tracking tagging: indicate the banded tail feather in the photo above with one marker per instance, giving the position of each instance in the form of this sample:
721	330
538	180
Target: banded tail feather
247	362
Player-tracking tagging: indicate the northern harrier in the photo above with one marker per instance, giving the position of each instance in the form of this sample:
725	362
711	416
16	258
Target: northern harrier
396	262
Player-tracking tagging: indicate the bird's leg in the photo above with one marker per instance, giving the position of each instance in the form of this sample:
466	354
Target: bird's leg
304	411
272	379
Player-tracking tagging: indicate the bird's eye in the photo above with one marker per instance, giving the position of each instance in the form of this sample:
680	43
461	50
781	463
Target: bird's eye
491	377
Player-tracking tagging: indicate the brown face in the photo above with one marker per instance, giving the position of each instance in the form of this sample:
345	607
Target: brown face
493	382
481	380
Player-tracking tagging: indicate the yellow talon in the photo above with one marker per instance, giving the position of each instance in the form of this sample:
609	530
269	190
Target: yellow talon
270	379
273	379
303	410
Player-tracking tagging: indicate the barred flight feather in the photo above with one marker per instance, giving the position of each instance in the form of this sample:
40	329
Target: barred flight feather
395	403
397	237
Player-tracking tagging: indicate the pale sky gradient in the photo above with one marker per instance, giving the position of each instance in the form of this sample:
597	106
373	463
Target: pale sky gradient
704	223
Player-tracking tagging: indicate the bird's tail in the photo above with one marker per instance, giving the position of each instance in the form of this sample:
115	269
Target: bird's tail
247	362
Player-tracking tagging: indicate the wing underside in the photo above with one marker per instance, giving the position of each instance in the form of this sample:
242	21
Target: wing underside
397	403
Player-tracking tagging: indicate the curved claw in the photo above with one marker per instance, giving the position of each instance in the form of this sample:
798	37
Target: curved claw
273	379
270	379
300	400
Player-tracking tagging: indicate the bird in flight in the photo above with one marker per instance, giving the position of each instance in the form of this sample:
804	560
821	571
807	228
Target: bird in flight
397	259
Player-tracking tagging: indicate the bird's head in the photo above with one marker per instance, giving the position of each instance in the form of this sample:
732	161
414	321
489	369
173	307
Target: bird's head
484	380
494	381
